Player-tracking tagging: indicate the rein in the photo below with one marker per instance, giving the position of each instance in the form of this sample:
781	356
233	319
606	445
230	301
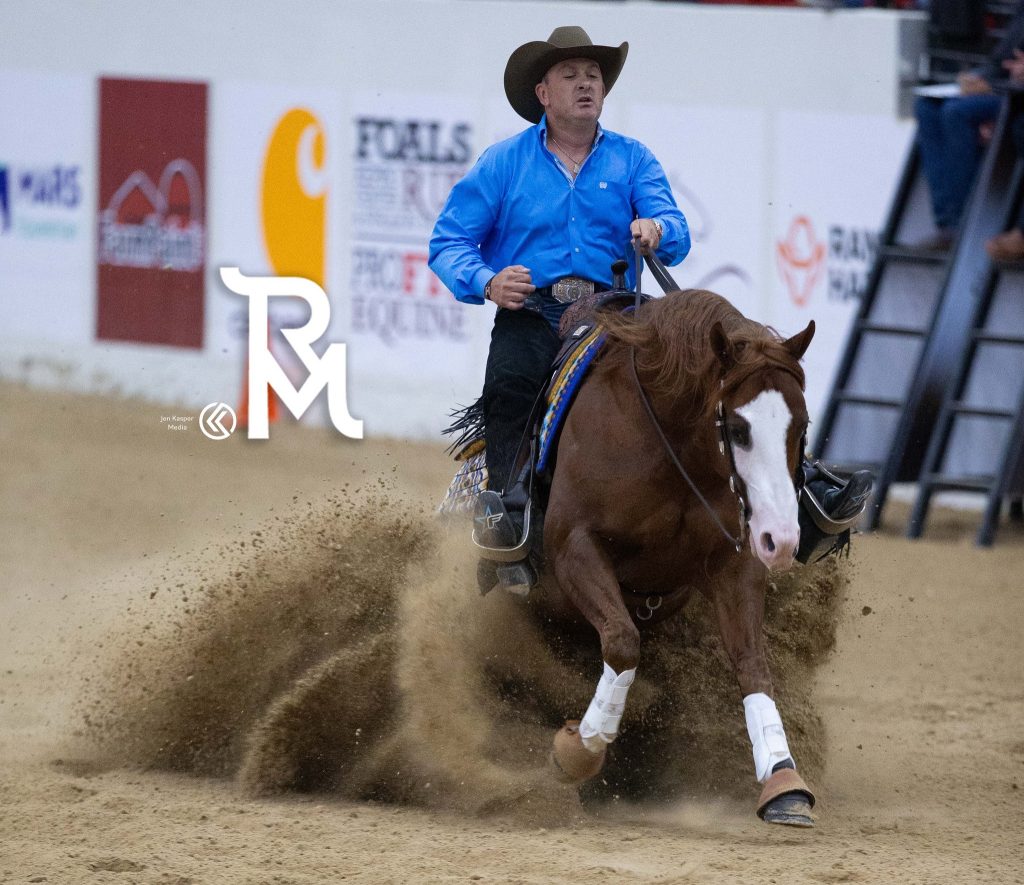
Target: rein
724	446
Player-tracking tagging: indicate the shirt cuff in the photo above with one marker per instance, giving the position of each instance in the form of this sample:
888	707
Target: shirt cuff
480	279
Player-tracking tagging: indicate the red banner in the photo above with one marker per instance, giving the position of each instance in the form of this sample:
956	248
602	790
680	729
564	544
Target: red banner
151	245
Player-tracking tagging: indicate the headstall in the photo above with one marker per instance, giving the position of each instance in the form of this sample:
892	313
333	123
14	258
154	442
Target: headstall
724	445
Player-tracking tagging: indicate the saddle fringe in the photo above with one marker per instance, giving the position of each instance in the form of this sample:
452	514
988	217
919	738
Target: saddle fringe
468	423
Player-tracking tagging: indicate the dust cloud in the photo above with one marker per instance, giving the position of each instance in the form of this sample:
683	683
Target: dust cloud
345	650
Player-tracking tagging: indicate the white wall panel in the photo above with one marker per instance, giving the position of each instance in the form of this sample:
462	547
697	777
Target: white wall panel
758	115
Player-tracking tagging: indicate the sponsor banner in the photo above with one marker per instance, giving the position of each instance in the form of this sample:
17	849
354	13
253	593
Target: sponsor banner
835	175
46	187
719	182
151	224
408	333
396	298
275	212
405	165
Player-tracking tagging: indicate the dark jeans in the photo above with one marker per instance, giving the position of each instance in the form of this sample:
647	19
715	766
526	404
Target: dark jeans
523	345
947	135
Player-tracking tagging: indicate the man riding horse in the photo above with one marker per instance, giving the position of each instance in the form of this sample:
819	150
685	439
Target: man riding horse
535	225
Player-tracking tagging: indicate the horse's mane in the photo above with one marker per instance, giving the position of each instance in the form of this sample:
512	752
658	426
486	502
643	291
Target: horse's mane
673	348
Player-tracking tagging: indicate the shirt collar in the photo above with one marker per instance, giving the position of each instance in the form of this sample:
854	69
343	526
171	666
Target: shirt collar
542	129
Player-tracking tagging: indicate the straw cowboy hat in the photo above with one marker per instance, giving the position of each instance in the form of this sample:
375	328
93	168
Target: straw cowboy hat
528	64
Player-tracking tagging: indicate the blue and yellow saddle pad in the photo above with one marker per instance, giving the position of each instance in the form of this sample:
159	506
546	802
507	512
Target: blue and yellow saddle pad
563	387
471	477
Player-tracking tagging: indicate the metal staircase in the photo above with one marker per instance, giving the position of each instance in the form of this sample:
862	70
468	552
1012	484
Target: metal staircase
978	443
875	398
924	326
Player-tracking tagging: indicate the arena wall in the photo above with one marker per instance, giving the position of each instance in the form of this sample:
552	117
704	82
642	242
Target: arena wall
324	138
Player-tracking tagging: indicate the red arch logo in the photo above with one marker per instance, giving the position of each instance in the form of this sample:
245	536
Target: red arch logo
801	259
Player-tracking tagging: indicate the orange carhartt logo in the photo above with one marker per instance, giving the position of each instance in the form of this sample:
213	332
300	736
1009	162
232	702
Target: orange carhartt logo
801	260
294	199
293	208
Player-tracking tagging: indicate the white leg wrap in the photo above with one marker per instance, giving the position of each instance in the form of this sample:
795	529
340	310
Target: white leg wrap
764	725
600	724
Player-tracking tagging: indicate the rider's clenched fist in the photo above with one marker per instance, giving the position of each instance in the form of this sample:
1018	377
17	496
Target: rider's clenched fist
510	287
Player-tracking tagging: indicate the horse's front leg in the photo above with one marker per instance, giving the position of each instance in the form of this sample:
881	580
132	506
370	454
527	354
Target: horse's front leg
585	575
739	605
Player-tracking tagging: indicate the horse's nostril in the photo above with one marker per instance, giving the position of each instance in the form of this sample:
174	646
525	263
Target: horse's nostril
769	544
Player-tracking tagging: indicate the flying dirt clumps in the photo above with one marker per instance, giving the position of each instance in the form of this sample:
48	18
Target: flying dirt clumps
348	651
221	649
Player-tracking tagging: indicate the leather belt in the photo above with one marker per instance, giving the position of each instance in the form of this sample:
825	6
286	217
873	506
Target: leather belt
567	289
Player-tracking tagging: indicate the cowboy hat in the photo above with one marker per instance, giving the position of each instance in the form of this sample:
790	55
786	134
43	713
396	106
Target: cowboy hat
528	64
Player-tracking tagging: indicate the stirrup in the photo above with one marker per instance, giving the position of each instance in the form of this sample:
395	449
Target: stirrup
815	508
516	578
485	523
821	533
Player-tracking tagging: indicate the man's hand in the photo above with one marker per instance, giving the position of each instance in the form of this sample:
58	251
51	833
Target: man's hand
647	232
1015	66
511	286
973	84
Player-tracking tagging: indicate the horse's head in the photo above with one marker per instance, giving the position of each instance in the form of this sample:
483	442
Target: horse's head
765	422
693	351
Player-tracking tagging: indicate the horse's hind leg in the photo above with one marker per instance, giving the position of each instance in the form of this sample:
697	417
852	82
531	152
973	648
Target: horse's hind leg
586	577
739	605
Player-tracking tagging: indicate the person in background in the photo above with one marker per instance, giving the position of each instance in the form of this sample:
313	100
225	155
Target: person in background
949	133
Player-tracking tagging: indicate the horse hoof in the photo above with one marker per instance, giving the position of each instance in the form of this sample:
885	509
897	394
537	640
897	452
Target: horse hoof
572	762
790	809
786	799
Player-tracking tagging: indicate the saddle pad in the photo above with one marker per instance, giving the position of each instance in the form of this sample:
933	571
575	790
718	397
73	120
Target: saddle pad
561	390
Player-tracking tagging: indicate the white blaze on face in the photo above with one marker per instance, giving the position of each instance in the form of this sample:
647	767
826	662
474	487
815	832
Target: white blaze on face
774	529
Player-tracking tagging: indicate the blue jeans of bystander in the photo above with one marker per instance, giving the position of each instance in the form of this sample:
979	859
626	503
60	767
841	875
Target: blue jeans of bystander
947	136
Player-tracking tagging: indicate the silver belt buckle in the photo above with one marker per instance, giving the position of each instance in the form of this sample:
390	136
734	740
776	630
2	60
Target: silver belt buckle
569	289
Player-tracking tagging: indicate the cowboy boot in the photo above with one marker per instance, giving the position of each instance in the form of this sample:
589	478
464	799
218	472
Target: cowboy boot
846	502
494	527
498	526
829	506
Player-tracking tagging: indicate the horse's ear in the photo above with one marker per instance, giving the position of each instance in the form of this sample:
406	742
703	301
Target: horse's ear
798	344
722	347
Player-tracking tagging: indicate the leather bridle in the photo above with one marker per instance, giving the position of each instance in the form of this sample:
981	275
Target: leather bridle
736	483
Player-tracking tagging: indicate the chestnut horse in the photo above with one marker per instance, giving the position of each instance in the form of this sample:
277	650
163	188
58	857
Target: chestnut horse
683	443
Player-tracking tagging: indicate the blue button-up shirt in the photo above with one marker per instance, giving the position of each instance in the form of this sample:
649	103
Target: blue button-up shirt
519	205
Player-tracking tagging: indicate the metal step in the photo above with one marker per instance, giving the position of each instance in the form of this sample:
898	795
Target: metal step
984	337
899	252
959	407
860	399
941	482
890	329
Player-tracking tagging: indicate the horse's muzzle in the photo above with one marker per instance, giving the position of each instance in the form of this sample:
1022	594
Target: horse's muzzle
776	549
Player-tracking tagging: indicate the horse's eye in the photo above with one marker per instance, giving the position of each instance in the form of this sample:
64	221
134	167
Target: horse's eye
740	435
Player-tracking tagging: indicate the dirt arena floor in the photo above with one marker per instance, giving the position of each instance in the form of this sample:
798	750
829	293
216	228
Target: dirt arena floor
159	588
